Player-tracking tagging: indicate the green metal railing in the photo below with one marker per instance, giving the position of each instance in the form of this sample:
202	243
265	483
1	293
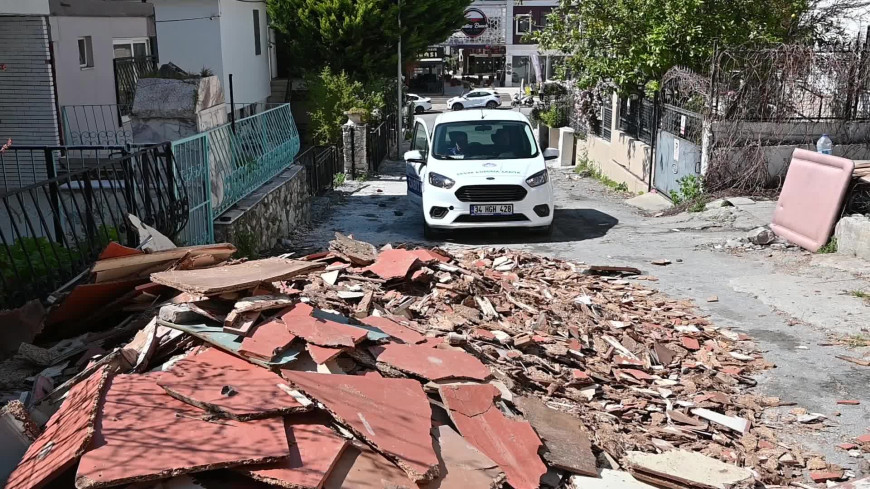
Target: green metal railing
220	167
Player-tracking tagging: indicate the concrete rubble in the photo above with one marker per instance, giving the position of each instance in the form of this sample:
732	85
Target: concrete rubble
402	368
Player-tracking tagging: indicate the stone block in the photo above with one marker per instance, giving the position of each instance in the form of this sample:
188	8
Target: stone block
853	236
566	146
355	148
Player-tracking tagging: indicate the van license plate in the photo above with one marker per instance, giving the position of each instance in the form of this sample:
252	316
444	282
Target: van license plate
492	210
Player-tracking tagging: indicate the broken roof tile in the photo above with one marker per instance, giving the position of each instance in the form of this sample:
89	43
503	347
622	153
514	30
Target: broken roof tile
394	329
360	467
566	441
393	415
428	256
430	363
231	387
66	436
322	354
462	465
393	264
323	332
267	341
137	414
512	444
314	451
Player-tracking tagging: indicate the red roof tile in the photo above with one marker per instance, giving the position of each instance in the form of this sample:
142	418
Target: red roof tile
430	363
392	414
394	329
268	341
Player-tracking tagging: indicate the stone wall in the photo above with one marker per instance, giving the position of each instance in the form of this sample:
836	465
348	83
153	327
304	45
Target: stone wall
259	221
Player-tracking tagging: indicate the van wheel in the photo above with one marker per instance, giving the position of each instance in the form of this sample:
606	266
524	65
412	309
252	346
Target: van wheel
491	104
457	106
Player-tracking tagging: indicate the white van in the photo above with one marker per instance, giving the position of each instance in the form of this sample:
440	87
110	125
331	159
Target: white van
479	169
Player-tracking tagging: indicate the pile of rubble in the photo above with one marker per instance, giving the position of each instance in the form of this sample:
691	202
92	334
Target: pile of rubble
390	368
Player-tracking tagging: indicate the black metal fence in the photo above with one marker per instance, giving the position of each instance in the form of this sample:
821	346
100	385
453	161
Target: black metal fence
379	139
638	117
321	163
127	74
51	231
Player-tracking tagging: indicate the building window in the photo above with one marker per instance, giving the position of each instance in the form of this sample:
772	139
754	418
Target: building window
86	52
257	49
131	48
523	23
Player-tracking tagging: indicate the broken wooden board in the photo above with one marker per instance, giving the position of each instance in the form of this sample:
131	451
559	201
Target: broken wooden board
141	348
314	452
240	323
393	415
566	441
686	468
360	253
65	438
231	278
430	363
512	444
739	425
229	387
140	265
85	299
231	343
262	303
360	467
137	414
462	465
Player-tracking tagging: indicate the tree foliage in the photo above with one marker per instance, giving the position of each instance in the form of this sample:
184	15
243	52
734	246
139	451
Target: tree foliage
634	42
359	37
332	94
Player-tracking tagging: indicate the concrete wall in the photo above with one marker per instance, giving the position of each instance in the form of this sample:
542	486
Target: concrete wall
269	214
96	85
623	159
251	72
189	34
24	7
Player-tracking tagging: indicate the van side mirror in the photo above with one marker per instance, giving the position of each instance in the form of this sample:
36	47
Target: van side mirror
414	156
551	154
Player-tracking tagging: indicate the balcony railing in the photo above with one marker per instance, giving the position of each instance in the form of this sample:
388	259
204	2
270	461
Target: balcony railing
127	74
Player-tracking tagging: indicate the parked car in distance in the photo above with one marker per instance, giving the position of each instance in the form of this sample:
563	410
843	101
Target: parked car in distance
421	104
479	98
480	169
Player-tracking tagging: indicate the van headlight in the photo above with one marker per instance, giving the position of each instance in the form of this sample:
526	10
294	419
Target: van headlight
538	179
440	180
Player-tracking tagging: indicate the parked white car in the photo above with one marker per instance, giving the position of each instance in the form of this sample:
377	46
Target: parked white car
478	98
421	104
480	169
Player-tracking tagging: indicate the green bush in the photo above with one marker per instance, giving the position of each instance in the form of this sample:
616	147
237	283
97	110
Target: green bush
332	94
691	192
35	258
555	116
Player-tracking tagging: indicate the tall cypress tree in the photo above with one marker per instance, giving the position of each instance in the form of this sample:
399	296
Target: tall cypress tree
360	37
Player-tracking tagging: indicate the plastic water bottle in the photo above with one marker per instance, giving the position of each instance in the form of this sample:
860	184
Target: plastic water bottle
825	145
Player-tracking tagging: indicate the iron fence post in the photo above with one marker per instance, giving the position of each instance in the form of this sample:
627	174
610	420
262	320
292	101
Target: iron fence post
54	195
129	191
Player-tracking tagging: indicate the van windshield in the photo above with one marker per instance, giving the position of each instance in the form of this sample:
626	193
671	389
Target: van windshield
479	140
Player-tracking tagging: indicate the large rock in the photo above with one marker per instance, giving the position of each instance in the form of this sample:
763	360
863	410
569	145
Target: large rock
853	236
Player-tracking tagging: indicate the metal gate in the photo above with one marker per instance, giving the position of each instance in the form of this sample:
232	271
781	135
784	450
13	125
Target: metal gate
678	148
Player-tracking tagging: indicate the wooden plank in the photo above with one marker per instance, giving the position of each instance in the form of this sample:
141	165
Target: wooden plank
230	278
141	265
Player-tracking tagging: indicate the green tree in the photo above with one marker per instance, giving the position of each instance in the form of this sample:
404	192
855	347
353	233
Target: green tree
634	42
359	37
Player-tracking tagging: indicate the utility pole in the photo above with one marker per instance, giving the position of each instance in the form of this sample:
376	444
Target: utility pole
399	119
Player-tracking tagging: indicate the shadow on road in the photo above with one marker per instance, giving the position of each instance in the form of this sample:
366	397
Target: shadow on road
568	225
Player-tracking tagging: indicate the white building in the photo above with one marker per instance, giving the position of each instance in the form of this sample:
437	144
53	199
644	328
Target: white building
228	37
